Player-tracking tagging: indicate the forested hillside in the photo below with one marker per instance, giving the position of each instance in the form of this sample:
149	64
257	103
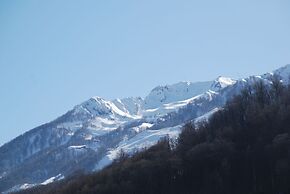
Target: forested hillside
243	149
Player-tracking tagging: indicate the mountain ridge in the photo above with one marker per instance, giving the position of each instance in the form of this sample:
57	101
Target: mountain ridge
89	136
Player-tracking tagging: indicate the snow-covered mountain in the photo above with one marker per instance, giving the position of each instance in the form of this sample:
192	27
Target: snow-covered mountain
91	135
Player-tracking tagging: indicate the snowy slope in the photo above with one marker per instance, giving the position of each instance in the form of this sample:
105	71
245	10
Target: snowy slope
176	92
91	135
142	140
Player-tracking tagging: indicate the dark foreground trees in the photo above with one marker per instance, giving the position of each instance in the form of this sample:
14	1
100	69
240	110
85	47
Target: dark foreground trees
243	149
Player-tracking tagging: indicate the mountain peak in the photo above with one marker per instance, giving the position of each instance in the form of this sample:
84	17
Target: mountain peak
284	72
222	82
175	92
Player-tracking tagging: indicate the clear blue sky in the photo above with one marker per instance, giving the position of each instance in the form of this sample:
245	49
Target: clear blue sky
55	54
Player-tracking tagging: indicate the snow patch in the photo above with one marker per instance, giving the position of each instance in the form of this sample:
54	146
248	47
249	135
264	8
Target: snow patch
53	179
222	82
143	127
77	147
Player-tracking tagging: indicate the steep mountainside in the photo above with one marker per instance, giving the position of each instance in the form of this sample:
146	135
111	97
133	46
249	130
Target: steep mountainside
242	149
91	135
